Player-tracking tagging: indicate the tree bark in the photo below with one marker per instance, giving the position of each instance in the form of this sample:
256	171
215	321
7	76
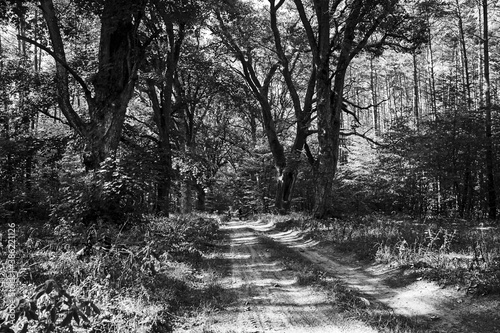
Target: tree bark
416	93
328	115
287	176
120	53
490	156
374	89
201	198
260	90
467	187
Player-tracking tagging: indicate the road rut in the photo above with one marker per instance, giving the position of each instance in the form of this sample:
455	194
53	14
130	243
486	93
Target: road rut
268	296
269	299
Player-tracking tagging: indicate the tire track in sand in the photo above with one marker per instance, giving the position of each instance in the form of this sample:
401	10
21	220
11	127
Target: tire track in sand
268	297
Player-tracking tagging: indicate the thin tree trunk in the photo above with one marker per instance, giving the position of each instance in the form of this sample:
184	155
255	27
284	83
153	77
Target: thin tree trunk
432	79
490	156
467	189
416	92
201	198
162	106
373	84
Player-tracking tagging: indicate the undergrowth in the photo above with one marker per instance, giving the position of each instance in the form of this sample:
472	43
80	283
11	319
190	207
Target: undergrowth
450	252
107	278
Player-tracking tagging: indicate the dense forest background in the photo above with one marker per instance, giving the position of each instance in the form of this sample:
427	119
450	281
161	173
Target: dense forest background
111	110
133	133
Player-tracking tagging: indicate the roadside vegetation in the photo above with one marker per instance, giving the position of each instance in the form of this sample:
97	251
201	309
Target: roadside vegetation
440	250
347	301
450	252
141	279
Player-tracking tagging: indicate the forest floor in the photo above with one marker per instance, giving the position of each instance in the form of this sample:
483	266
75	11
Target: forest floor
269	296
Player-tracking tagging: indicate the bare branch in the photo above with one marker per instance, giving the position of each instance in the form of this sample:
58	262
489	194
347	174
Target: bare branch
88	94
364	107
352	114
47	113
363	135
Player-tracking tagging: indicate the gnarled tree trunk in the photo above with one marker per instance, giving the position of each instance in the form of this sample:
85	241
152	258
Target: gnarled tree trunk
120	53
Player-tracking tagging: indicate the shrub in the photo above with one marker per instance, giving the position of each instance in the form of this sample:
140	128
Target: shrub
49	309
108	195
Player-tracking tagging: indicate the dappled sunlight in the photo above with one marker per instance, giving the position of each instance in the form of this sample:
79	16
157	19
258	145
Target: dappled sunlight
293	239
236	256
269	297
263	225
415	300
248	240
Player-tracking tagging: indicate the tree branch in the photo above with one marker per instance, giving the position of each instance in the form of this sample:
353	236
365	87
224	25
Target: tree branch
88	94
310	157
313	43
287	74
363	135
352	114
62	83
46	113
364	107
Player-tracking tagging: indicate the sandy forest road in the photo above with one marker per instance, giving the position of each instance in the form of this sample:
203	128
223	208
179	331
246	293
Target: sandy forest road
268	299
267	296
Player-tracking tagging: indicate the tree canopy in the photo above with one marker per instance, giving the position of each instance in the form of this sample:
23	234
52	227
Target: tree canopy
113	108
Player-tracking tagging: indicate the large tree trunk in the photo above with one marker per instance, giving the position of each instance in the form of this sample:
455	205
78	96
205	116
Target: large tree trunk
287	176
114	82
330	102
120	53
104	131
328	143
163	108
286	181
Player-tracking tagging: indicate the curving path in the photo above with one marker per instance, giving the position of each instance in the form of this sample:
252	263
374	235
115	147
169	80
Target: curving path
267	296
268	299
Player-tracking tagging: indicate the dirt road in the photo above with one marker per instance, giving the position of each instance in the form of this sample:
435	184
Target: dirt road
268	298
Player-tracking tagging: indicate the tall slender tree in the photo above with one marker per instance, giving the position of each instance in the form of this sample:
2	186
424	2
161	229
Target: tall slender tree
490	155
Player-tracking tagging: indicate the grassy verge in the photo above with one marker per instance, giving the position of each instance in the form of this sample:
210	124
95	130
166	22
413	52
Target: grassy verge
450	252
147	278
